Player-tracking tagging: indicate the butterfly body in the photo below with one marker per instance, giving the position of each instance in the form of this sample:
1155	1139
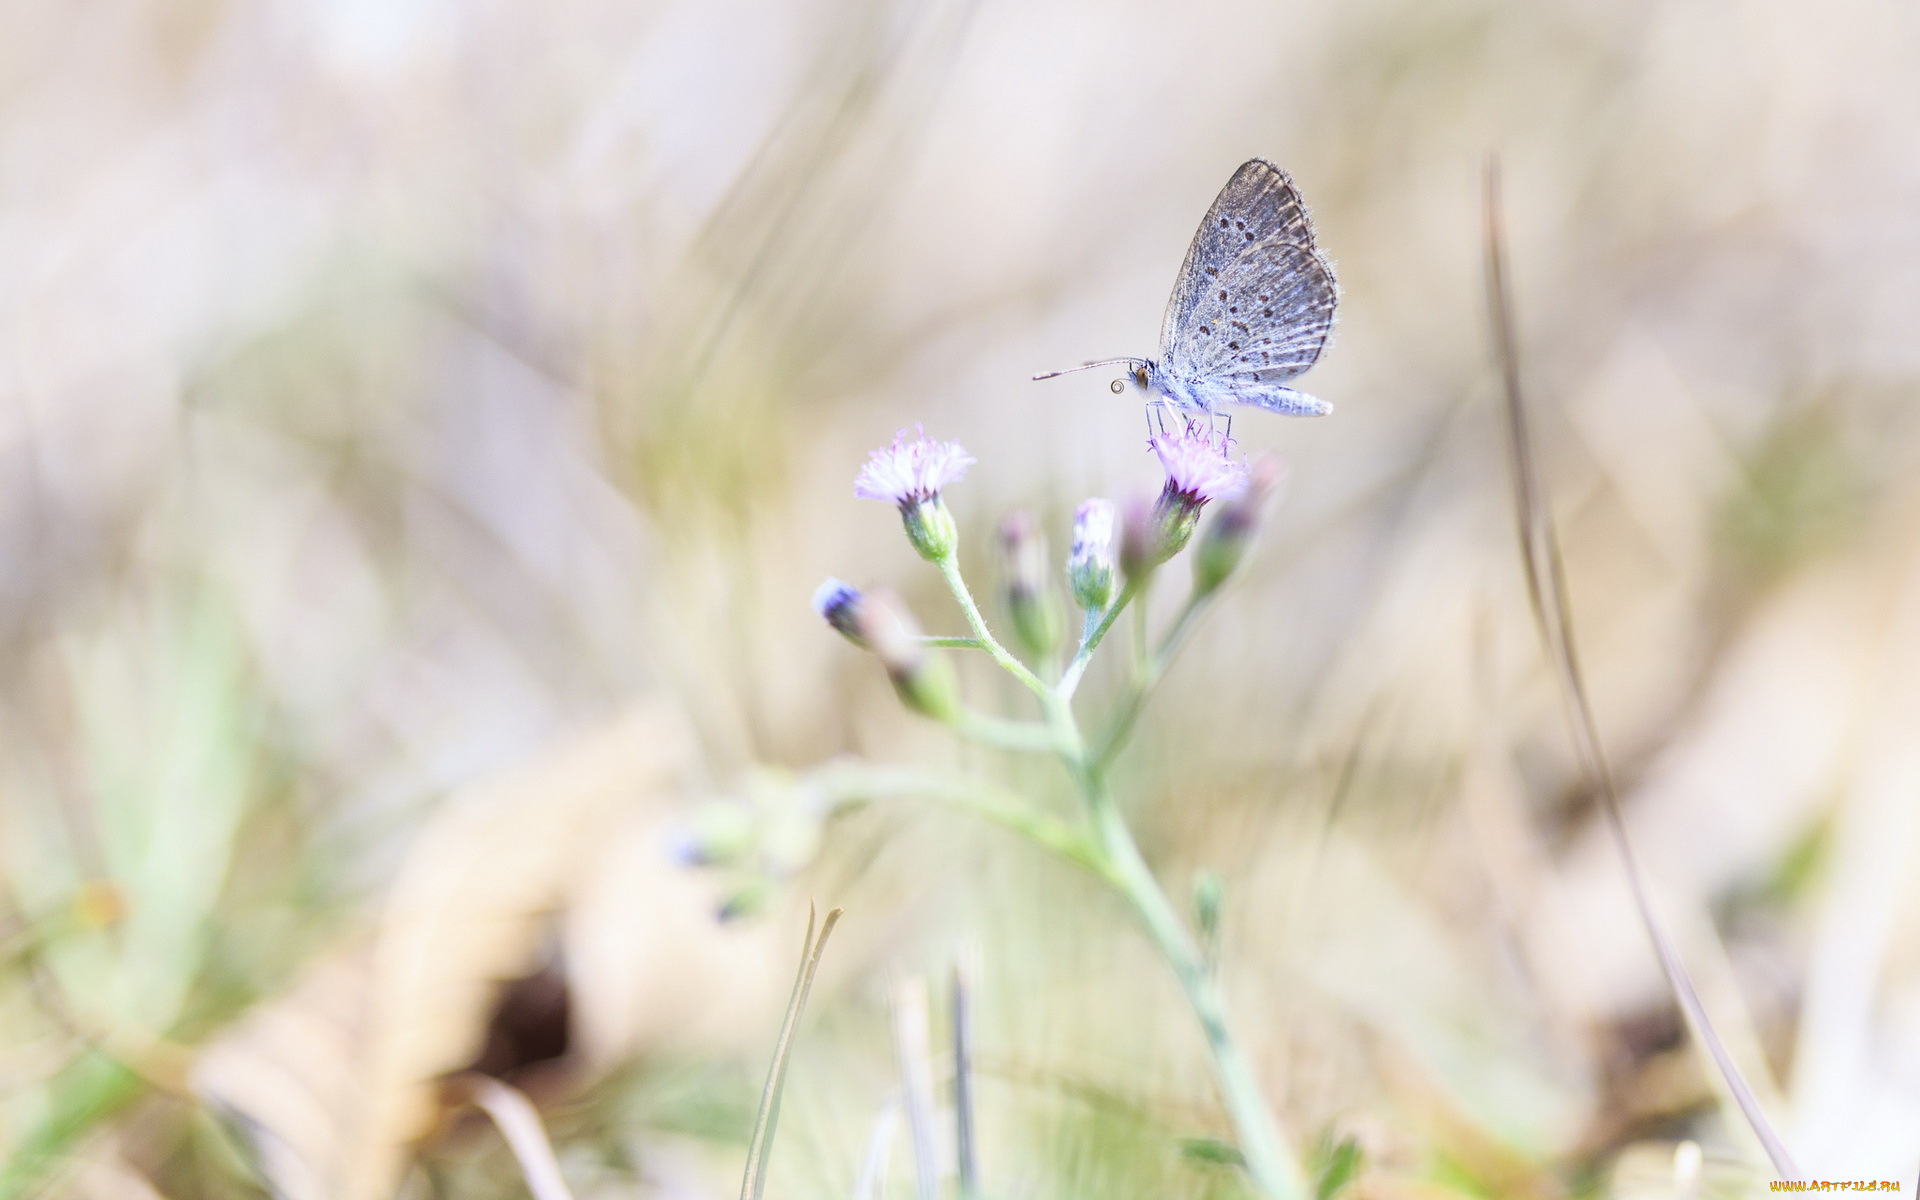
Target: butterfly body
1252	307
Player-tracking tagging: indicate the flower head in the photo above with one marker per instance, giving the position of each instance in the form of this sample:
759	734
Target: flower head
910	472
1090	567
1198	465
838	604
1199	468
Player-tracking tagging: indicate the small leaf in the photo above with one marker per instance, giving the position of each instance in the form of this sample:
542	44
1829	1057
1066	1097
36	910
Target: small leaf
1212	1152
1342	1165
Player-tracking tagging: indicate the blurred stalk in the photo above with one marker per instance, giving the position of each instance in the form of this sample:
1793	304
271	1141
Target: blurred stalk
1269	1162
963	1082
912	1045
1553	617
760	1149
519	1123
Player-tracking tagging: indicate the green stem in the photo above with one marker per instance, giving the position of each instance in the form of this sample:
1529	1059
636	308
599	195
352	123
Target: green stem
845	783
952	643
1269	1162
1070	680
1121	723
991	730
950	571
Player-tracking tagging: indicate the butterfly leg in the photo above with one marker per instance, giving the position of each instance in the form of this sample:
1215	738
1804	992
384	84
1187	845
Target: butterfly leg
1156	414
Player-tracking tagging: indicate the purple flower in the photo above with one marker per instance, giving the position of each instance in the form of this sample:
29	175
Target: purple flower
1198	466
1199	469
911	472
911	475
1090	566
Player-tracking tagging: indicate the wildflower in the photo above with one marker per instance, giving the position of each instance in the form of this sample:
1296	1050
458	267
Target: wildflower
839	605
1226	540
1199	469
924	680
1030	599
1090	567
911	475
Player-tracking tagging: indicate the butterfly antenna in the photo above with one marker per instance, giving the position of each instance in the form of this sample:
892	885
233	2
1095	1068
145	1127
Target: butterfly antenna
1105	362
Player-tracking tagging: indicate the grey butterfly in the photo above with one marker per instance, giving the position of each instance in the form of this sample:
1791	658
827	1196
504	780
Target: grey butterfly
1251	308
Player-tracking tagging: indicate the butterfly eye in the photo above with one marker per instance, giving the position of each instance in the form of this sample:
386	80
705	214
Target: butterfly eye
1116	387
1140	376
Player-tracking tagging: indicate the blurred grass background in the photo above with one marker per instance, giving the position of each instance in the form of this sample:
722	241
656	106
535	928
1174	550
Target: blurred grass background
423	424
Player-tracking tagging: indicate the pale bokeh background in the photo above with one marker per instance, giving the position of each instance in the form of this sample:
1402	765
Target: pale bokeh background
395	394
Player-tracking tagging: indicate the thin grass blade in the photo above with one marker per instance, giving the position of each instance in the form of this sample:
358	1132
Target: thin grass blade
963	1080
1547	590
760	1148
873	1169
519	1123
912	1045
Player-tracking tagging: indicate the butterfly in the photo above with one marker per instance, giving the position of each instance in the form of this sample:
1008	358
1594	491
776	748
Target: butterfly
1251	308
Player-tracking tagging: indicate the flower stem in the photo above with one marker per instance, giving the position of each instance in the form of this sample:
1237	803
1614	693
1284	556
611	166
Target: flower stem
1121	723
1070	679
1269	1162
950	571
850	783
991	730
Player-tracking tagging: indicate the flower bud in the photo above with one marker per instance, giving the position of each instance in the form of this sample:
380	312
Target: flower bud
1030	597
715	834
1140	550
749	898
839	605
930	528
1175	516
924	679
1226	540
1090	568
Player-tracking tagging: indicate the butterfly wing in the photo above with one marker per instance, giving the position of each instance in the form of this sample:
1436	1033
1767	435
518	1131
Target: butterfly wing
1258	205
1263	323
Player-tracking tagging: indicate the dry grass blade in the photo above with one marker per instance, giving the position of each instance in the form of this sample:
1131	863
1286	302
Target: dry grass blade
913	1045
760	1149
963	1080
519	1123
873	1169
1547	589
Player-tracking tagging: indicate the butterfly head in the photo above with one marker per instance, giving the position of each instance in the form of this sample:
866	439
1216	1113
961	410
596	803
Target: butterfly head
1139	374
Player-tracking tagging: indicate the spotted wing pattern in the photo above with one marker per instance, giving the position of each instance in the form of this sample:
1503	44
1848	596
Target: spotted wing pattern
1265	321
1258	205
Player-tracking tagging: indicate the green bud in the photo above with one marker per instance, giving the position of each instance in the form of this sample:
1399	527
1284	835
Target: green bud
1141	552
721	833
930	527
924	679
1209	894
1091	571
1037	622
751	897
1175	516
1225	543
